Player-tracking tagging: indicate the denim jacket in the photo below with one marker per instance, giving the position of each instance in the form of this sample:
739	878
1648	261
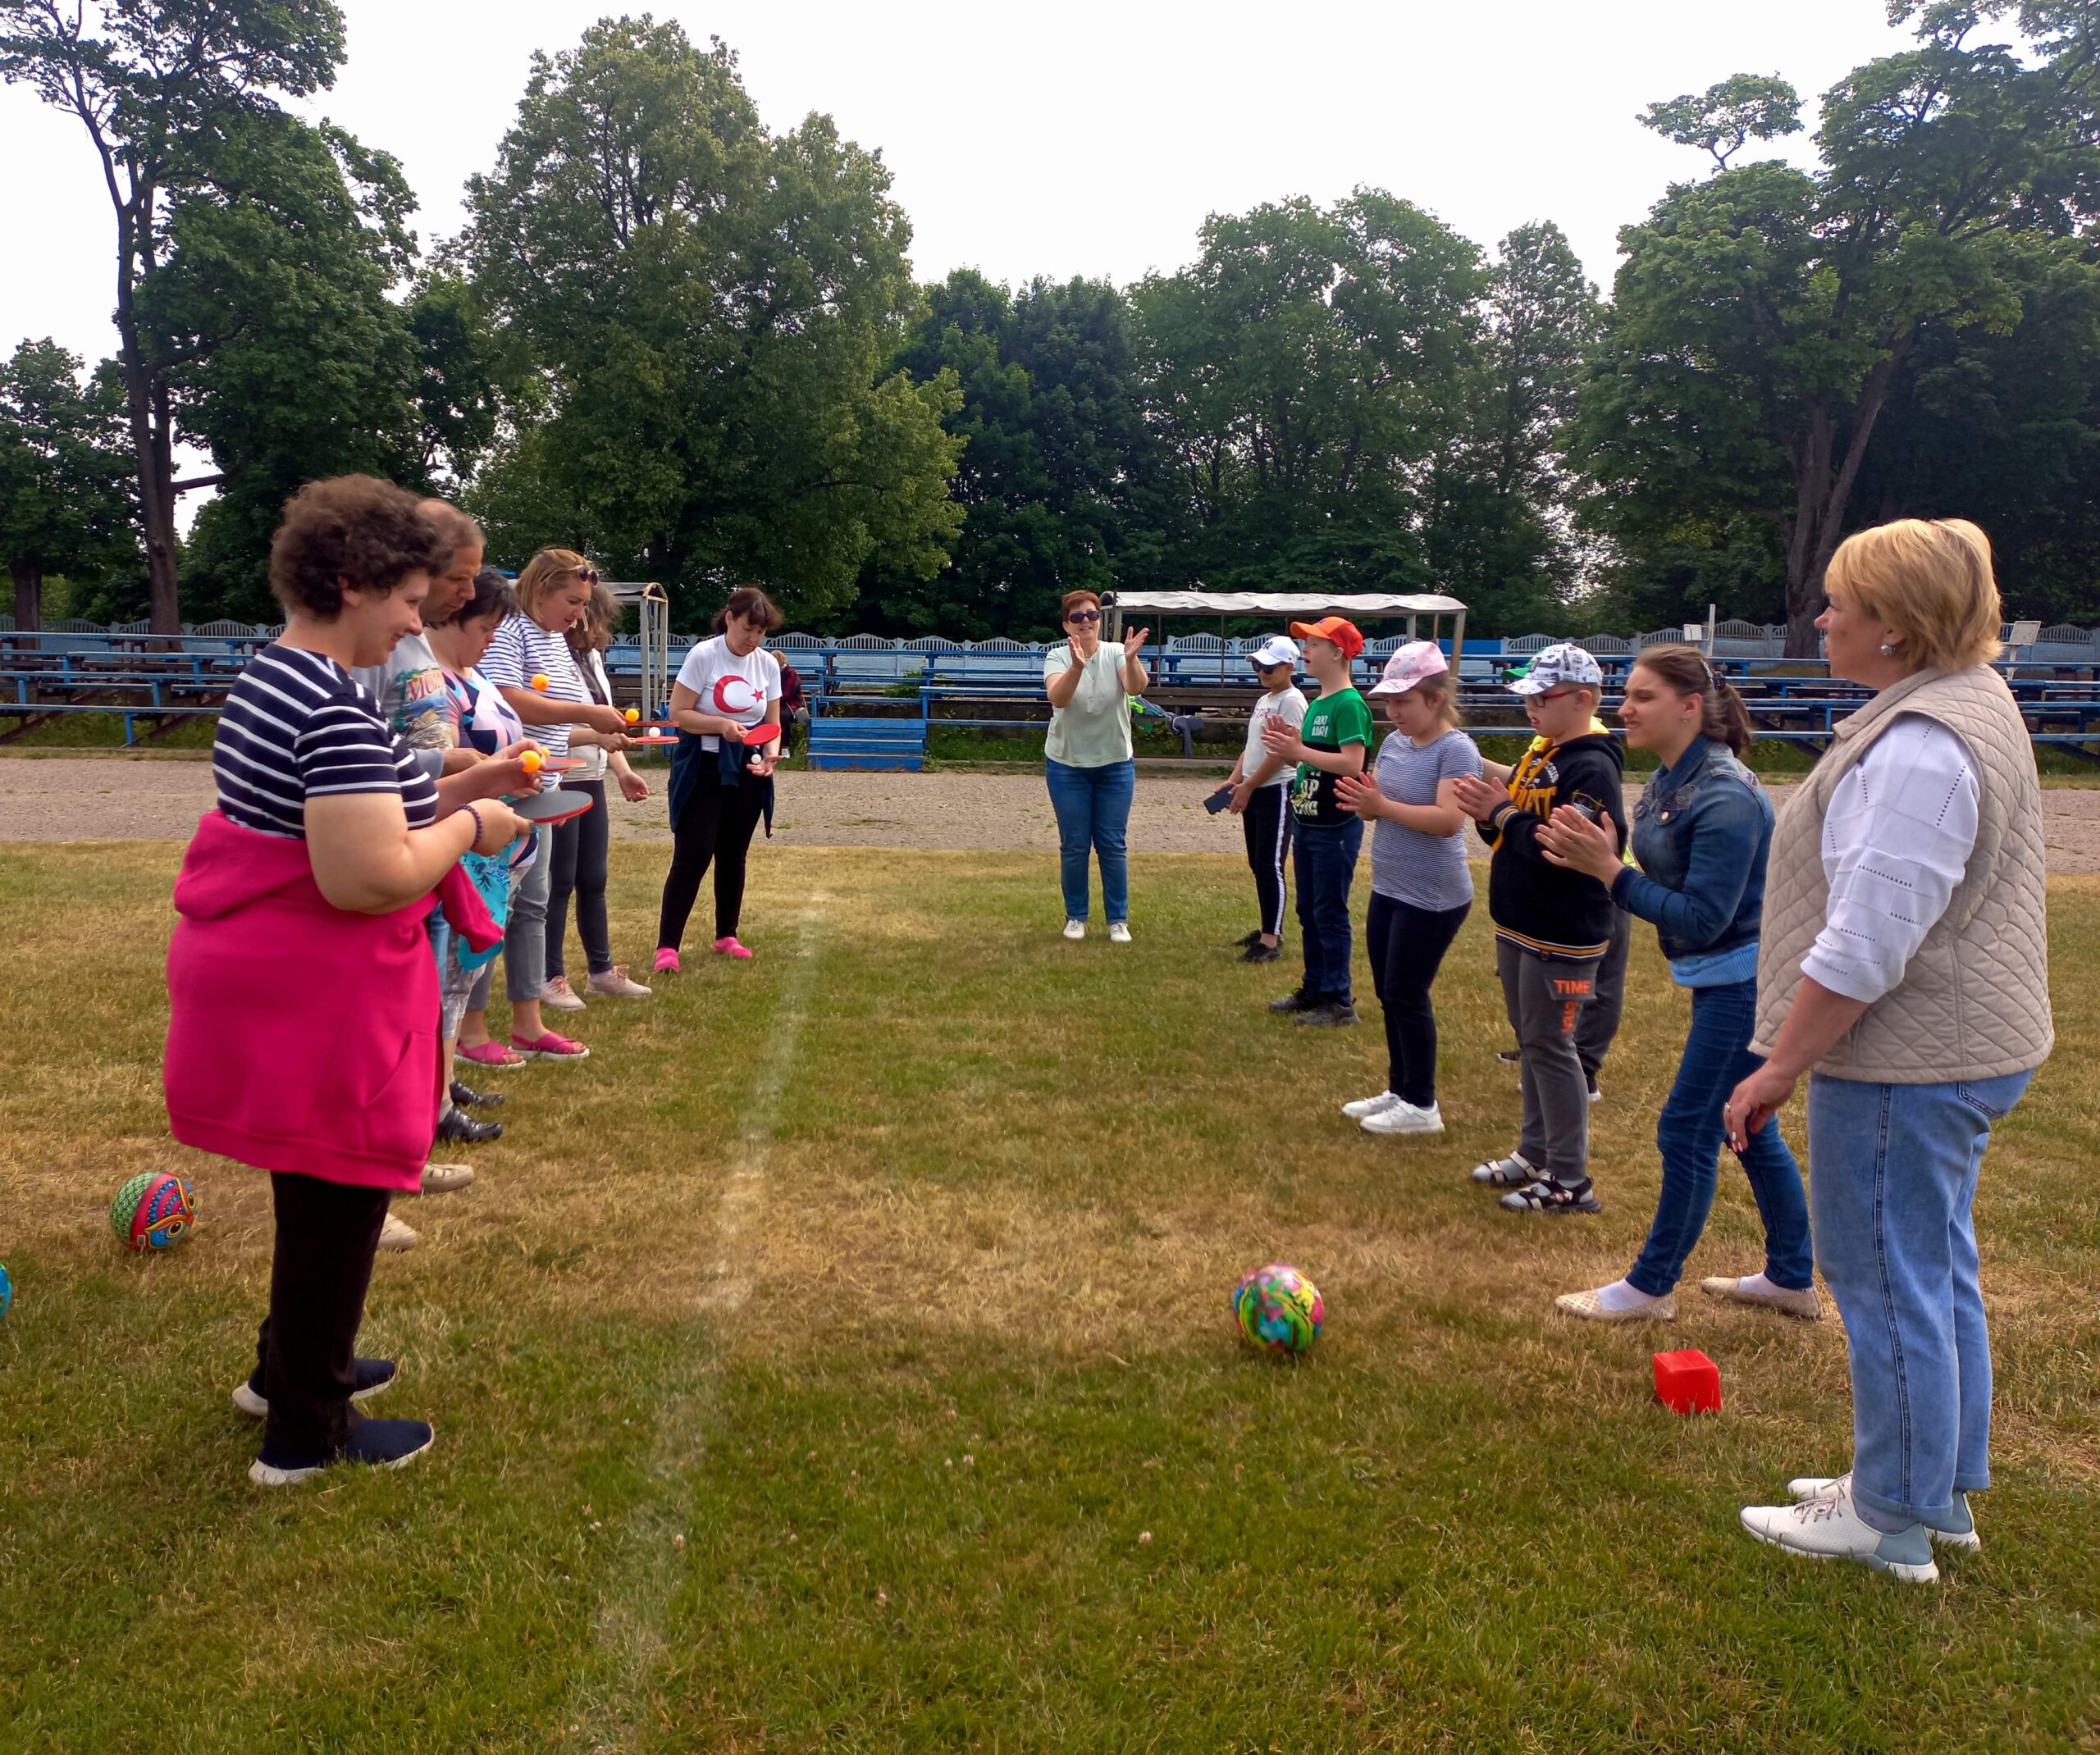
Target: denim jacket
1701	832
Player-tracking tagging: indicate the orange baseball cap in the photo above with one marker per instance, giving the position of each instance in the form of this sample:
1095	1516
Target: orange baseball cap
1344	633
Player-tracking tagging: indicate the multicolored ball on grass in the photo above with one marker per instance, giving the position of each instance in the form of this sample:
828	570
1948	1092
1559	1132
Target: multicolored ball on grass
1278	1308
153	1210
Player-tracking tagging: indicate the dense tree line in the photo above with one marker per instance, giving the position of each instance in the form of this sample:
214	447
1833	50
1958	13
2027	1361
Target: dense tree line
692	345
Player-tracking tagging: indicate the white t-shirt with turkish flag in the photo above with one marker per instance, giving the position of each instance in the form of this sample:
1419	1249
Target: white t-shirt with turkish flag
728	686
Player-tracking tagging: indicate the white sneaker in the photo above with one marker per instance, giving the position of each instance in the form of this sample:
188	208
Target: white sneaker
1827	1527
1404	1118
614	982
1119	932
396	1236
556	993
1957	1531
1075	929
1370	1105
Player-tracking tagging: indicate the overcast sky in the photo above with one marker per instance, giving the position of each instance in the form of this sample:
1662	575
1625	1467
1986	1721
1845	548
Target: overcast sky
1077	138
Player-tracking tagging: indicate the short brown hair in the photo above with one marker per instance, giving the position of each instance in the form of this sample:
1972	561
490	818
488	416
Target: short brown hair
491	595
456	530
753	605
546	571
354	530
1930	579
1686	670
1072	600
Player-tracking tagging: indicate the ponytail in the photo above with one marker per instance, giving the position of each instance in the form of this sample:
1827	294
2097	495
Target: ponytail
1687	671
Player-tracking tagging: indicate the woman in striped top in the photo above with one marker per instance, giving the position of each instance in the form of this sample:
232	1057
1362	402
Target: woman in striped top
529	663
303	999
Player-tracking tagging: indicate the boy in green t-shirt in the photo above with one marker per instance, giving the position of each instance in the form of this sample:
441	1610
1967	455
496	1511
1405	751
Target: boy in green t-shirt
1333	741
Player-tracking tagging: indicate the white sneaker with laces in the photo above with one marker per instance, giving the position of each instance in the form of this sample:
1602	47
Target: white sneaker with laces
1829	1527
1119	932
1958	1531
614	984
1370	1105
1075	929
556	993
1404	1118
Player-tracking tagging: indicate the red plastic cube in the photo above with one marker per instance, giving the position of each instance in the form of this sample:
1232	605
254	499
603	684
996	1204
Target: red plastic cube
1688	1382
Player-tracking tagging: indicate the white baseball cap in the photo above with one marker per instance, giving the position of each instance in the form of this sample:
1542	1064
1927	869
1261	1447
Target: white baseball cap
1416	662
1561	662
1278	649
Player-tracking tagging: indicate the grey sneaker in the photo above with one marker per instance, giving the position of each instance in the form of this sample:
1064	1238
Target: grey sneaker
1334	1015
557	993
613	984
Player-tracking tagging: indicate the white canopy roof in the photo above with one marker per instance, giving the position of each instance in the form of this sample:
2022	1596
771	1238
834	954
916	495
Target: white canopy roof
1301	606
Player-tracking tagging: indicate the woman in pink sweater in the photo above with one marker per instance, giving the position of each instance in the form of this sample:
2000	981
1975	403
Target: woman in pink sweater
302	1001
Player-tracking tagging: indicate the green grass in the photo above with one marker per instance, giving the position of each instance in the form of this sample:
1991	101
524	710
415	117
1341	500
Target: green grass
811	1366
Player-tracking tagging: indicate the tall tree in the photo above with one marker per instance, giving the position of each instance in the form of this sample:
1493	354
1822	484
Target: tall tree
1305	372
709	307
1765	318
64	503
151	81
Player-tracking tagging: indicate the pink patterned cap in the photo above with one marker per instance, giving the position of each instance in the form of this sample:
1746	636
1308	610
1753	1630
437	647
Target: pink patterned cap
1416	662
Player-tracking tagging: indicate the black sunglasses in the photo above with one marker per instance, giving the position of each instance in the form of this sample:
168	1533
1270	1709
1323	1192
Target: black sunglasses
1083	615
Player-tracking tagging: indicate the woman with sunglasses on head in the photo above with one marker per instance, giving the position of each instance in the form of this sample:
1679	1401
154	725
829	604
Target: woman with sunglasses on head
1088	761
529	664
721	775
1701	832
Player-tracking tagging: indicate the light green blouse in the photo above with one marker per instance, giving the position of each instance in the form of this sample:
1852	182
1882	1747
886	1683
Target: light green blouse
1095	729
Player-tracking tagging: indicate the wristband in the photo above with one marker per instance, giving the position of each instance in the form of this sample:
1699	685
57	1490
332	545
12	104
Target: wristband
480	828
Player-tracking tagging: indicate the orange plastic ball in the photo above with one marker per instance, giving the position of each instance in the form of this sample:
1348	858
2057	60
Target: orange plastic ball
540	681
531	761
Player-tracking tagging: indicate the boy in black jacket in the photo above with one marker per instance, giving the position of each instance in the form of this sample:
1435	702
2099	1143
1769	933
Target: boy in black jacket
1552	926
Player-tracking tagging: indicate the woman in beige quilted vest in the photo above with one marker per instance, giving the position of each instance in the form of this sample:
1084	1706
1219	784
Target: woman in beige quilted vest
1905	968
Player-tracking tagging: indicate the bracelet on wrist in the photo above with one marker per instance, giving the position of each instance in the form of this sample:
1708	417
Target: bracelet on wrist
480	828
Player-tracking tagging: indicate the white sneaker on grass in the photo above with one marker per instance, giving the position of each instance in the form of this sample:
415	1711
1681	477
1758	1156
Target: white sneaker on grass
1075	929
1370	1105
1404	1118
1829	1527
1119	932
1957	1531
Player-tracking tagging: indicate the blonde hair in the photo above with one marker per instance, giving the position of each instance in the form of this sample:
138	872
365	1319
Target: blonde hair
1931	580
546	572
1443	689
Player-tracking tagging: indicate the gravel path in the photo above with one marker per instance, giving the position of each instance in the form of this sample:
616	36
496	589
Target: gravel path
61	798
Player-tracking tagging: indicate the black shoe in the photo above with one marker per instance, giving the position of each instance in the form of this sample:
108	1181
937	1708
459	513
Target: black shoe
372	1375
471	1099
1331	1014
1258	952
457	1127
1253	937
377	1443
1301	1000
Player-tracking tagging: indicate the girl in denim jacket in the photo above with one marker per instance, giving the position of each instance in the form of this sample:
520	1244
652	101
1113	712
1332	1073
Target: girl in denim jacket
1701	833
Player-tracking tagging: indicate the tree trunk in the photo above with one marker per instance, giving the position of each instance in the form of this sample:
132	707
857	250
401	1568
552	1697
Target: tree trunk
28	595
1821	500
146	404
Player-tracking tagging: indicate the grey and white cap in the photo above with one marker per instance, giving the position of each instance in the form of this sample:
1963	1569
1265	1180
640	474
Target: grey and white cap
1562	665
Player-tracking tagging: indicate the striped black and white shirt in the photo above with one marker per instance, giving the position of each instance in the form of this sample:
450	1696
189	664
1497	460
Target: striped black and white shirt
522	650
296	725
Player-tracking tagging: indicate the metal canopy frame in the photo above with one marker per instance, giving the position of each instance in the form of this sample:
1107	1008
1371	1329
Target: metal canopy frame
654	607
1294	606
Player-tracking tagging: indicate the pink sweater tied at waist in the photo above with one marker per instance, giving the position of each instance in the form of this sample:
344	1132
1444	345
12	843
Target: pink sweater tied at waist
303	1037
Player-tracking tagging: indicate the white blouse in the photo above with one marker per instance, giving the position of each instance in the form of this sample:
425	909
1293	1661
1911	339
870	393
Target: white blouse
1896	842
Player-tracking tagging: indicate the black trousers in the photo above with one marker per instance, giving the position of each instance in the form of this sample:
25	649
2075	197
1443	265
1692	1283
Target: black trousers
581	851
1265	822
1599	1024
326	1235
1406	946
714	828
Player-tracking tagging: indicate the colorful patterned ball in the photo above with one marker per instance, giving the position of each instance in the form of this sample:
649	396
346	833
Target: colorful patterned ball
7	1292
1278	1308
153	1210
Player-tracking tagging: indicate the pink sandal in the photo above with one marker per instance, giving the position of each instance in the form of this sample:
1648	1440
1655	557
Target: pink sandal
549	1046
728	947
492	1055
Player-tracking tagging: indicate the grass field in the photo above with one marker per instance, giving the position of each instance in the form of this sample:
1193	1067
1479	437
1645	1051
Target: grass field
840	1360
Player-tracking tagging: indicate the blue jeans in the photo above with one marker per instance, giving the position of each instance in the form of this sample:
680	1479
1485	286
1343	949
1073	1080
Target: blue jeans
1093	813
1717	1058
1324	857
1893	1176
